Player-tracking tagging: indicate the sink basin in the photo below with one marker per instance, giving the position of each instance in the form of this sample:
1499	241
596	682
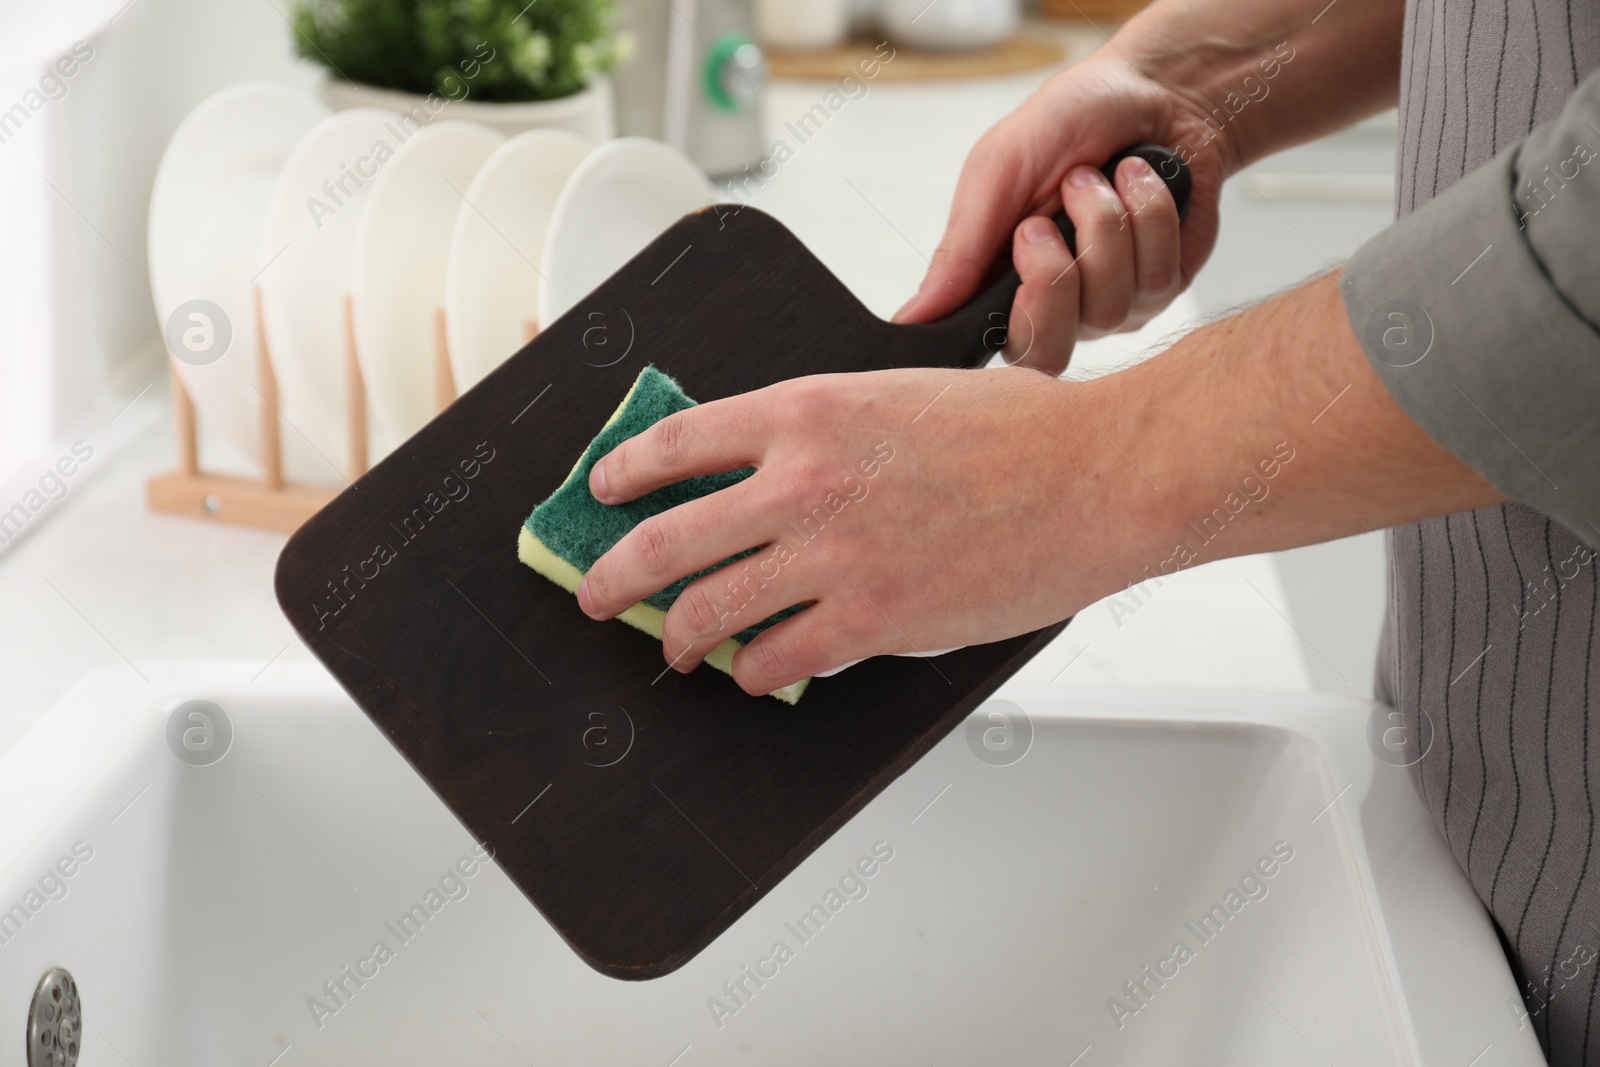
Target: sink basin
1161	877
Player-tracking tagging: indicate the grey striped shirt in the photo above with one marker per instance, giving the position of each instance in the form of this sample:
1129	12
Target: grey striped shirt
1479	312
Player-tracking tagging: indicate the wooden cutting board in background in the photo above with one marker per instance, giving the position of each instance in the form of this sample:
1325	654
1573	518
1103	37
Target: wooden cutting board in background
1025	50
1096	10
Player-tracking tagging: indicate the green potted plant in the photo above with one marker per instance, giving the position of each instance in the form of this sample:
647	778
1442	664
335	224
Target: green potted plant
510	64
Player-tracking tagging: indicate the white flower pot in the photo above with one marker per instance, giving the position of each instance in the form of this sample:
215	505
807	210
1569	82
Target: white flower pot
588	112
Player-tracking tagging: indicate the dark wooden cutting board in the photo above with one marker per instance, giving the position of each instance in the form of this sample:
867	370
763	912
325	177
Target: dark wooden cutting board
641	811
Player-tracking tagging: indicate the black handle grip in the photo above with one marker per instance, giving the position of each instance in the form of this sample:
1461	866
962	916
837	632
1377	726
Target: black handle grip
982	322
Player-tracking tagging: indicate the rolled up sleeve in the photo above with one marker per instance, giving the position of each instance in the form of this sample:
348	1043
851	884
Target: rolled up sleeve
1479	312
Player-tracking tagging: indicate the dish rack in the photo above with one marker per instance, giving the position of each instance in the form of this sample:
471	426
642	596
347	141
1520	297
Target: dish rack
269	502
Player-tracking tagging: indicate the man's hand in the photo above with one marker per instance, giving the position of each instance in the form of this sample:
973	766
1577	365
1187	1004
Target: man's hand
1221	83
1046	157
911	509
922	509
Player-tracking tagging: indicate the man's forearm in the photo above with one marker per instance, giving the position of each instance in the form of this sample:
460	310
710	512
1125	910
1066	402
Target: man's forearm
1225	57
1264	431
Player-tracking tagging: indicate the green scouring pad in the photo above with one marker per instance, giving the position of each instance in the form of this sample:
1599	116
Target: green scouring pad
570	530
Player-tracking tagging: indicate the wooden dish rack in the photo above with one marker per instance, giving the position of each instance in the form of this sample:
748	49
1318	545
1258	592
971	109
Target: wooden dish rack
269	502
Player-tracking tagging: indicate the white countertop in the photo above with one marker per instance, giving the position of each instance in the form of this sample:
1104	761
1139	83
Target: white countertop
102	581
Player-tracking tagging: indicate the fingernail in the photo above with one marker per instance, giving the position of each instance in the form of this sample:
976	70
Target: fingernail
1146	178
1083	177
1038	230
1138	167
585	601
597	481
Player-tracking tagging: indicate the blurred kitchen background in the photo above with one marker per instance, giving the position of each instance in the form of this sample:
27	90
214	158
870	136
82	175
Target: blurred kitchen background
94	576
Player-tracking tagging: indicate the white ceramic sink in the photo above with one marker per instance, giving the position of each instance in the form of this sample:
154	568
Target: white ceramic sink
1015	904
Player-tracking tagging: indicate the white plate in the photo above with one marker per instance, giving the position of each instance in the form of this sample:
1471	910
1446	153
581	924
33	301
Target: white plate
401	250
206	213
493	283
310	239
618	200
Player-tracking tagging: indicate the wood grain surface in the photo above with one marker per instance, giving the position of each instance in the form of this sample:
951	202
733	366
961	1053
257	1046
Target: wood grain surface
644	841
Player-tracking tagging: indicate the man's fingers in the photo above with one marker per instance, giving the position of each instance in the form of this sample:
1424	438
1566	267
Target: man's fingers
711	438
1105	250
680	541
1044	314
729	600
816	639
1154	217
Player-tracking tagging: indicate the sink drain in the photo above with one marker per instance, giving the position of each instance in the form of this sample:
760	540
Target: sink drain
55	1021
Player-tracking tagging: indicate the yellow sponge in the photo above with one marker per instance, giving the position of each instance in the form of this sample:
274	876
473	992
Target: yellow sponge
577	529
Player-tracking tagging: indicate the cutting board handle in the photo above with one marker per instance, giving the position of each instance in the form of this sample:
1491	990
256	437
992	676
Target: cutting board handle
980	328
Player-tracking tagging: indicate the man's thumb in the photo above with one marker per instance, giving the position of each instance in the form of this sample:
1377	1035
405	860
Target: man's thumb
948	284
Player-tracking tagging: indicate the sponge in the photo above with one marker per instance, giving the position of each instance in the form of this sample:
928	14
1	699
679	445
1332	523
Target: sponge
570	529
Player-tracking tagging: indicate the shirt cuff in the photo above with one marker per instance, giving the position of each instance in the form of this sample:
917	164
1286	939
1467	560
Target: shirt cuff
1472	311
